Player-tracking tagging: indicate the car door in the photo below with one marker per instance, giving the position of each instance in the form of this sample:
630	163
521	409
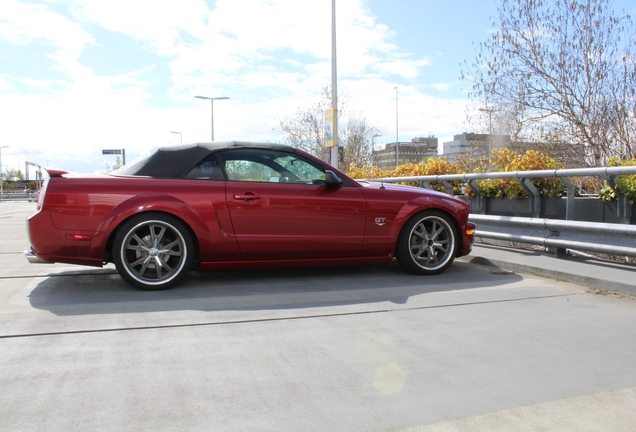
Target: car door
282	209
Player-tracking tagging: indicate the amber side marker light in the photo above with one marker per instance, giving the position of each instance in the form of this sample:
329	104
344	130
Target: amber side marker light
77	237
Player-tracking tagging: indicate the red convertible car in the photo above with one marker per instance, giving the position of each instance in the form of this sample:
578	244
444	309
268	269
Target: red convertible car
236	205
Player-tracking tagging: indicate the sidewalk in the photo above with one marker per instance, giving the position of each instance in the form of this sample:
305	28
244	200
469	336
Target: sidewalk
598	274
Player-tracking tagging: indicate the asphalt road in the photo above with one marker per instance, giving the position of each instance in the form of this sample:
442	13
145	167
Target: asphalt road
355	349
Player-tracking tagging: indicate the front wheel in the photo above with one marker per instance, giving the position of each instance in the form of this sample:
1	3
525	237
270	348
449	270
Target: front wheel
427	243
153	252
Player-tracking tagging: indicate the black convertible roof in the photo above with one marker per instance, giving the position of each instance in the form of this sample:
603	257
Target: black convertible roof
176	161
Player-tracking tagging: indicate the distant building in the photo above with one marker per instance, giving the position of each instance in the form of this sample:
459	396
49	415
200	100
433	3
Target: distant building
416	151
478	143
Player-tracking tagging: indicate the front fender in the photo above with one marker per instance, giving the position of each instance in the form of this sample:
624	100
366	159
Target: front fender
455	208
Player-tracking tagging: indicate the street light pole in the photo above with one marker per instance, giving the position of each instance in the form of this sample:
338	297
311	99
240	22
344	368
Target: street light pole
211	99
373	152
397	135
334	87
489	111
1	174
180	136
373	141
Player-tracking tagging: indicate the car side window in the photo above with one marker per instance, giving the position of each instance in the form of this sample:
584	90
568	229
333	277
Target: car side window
248	171
303	171
207	169
260	165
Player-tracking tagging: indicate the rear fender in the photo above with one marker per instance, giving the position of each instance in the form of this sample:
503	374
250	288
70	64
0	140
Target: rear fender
149	203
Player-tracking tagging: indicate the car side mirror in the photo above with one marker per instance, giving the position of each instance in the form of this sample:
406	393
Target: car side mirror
331	179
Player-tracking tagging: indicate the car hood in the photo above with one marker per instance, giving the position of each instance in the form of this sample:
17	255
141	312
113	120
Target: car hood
402	188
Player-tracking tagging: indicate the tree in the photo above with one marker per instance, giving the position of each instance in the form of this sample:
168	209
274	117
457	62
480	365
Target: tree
358	142
561	72
305	129
13	173
115	166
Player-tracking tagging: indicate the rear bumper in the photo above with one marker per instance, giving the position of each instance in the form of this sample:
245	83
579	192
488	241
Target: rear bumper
33	258
52	245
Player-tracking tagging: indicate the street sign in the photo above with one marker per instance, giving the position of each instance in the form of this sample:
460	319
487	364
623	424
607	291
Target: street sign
111	152
329	127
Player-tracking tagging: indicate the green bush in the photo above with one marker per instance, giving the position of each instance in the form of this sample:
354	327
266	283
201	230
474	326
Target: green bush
506	160
432	166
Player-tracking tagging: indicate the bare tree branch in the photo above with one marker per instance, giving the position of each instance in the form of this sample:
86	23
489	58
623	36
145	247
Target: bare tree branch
561	72
305	130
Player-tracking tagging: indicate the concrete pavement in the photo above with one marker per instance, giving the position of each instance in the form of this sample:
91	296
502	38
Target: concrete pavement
485	346
593	273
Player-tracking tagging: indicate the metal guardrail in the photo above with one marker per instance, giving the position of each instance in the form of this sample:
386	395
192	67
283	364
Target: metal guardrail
18	196
558	235
523	177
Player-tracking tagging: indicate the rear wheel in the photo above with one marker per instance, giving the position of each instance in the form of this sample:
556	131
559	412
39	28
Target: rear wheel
427	243
153	252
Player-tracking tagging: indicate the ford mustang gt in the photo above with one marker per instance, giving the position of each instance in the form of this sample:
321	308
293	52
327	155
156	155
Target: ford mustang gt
238	205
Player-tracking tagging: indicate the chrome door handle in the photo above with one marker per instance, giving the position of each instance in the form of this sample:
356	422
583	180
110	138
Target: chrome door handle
247	197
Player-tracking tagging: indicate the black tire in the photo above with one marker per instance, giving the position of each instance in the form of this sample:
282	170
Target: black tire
153	251
427	244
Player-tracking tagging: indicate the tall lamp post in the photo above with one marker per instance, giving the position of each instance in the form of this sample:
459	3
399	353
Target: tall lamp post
397	135
334	86
373	153
211	99
489	111
1	174
373	140
181	136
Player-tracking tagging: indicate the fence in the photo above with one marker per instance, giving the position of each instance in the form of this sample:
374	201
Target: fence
559	235
18	196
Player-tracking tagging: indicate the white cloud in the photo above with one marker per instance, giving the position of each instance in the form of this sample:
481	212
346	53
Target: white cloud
269	56
42	84
441	86
26	23
404	67
145	20
417	113
4	85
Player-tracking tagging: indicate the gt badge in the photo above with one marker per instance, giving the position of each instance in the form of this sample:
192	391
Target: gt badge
379	221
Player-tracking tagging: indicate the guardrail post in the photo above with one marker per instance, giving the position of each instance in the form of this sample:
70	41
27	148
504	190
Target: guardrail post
449	187
569	208
535	199
623	209
479	200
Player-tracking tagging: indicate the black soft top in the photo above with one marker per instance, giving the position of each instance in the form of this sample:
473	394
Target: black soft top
176	161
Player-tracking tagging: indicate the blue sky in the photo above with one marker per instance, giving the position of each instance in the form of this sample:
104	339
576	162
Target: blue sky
79	76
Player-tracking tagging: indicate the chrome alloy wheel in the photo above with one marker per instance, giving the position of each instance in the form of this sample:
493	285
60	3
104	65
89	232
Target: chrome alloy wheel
153	252
431	243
